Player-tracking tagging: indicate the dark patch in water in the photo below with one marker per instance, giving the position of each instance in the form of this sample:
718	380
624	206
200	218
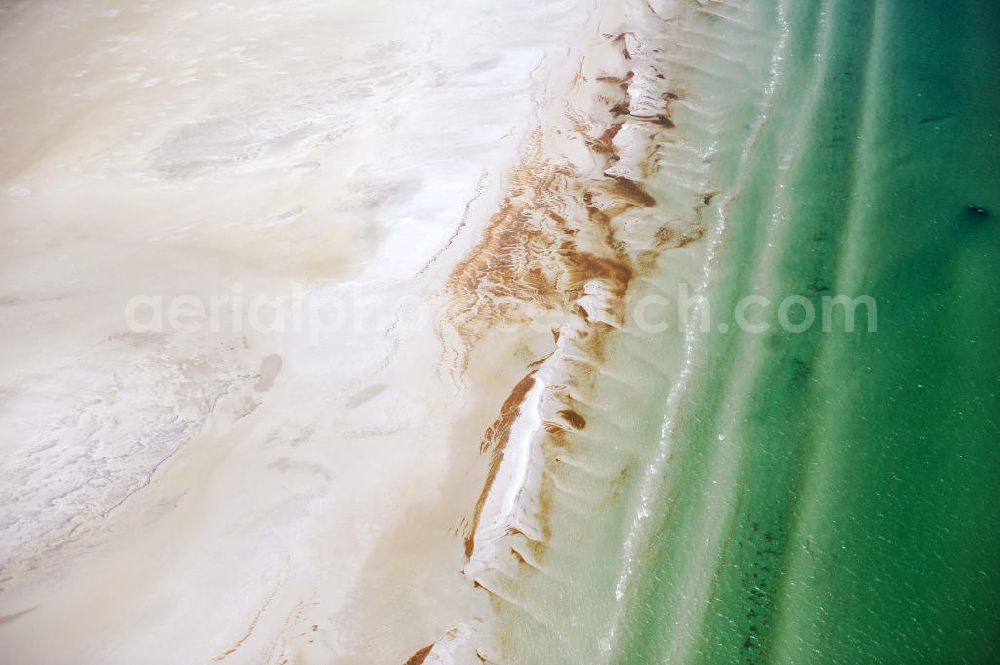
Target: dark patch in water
818	285
975	212
761	554
974	217
801	370
934	118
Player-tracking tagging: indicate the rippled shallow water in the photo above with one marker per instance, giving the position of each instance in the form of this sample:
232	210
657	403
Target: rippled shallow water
852	476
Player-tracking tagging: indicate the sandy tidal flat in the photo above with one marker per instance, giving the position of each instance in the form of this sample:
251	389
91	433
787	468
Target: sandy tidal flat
244	494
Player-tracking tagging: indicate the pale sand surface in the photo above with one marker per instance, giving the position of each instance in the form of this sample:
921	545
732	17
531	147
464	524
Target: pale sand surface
239	495
457	452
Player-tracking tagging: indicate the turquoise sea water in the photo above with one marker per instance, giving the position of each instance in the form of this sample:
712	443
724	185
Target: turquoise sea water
833	497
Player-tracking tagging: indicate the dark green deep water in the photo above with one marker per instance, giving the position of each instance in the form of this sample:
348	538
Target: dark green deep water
835	496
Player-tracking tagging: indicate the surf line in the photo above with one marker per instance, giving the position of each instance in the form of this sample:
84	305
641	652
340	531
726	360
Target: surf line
578	228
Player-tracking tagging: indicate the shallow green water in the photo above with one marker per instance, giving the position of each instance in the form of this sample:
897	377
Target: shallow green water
833	496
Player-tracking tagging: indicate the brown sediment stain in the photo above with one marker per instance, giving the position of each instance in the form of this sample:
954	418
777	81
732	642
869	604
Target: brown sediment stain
531	259
670	238
575	420
558	436
619	481
553	428
648	260
497	600
668	99
253	625
604	144
495	441
585	266
511	268
531	542
665	238
420	656
633	193
519	557
480	188
620	39
10	618
621	108
498	433
523	560
624	107
664	121
595	339
661	119
619	81
546	497
706	200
